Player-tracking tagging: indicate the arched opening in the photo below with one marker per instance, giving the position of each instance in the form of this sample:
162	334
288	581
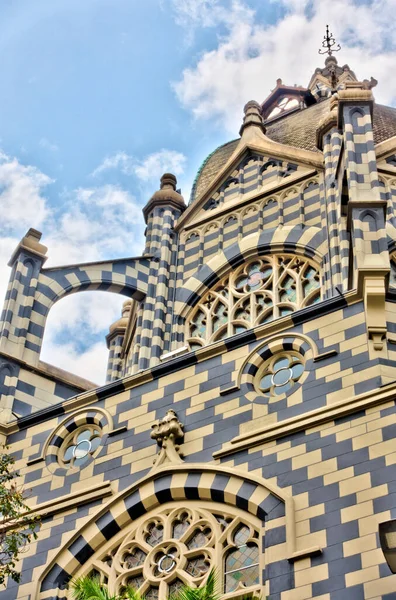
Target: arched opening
74	337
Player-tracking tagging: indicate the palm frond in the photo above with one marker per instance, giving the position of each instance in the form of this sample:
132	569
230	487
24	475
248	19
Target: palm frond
89	588
130	593
206	592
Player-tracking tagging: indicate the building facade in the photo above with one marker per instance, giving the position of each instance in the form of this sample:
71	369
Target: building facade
248	421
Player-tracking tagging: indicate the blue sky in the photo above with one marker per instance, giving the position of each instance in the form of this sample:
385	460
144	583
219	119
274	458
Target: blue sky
100	97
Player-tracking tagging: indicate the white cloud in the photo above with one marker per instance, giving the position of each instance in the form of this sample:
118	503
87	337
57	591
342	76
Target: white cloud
158	163
74	318
90	364
21	201
47	145
149	168
206	13
96	223
252	55
89	224
119	160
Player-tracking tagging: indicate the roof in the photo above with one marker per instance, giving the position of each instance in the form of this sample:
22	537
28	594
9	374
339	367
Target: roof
298	130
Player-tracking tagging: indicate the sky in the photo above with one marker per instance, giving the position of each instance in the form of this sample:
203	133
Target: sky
99	98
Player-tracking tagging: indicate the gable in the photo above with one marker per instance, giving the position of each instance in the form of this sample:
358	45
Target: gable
255	173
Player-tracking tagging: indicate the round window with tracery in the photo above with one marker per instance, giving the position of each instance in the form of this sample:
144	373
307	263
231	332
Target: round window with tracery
80	445
77	440
179	547
280	373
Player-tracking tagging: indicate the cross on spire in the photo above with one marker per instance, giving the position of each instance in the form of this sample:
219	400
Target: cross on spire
329	43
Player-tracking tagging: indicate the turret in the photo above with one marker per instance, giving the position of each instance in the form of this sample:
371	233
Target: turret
115	340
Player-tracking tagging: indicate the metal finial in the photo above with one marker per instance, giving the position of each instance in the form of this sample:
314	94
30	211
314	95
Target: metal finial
329	43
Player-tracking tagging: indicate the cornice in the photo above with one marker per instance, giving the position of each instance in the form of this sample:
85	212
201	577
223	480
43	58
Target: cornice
313	418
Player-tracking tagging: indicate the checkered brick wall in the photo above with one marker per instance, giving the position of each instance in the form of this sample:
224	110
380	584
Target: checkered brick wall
339	472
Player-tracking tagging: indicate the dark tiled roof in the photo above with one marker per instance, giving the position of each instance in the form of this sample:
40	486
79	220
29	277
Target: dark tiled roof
384	124
298	130
210	167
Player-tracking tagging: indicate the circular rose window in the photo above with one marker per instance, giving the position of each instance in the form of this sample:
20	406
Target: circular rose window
178	547
280	374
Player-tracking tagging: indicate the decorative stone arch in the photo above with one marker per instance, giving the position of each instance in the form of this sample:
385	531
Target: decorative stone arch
288	191
307	242
73	422
217	484
275	344
125	277
307	183
43	287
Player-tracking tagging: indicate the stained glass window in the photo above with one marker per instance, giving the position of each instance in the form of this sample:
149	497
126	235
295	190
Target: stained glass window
242	563
155	534
280	374
257	292
80	445
185	545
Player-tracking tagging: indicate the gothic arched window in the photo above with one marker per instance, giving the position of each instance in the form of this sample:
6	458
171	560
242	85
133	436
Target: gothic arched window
257	292
174	547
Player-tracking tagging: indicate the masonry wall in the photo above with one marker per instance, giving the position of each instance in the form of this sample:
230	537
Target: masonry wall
340	471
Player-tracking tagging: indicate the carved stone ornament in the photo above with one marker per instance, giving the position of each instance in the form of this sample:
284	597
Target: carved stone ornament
168	433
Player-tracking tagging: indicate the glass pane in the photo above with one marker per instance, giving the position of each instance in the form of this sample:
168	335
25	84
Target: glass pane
69	453
180	527
135	582
175	587
245	556
282	376
194	347
242	535
222	335
282	389
247	577
84	435
242	313
298	370
268	317
283	310
281	363
239	329
95	443
223	522
82	449
197	566
199	539
135	558
288	287
198	326
240	282
151	594
254	268
266	382
314	300
155	535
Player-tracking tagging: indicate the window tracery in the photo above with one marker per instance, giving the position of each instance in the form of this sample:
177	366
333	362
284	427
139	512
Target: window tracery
280	373
257	292
179	547
80	445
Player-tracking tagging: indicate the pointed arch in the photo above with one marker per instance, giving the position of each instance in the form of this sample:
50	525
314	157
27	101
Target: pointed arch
307	242
219	484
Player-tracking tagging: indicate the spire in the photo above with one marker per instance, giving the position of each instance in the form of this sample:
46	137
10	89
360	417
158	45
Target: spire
329	44
252	117
167	195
